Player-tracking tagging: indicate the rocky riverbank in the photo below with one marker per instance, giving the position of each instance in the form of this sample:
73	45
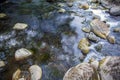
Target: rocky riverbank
42	40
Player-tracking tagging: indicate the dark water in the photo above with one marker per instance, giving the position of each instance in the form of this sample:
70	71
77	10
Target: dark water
53	38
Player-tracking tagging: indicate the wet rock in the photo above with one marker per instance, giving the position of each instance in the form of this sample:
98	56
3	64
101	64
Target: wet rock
111	39
84	6
84	45
16	75
22	53
95	64
117	29
93	1
20	26
91	36
36	72
70	4
3	16
115	11
100	28
110	68
83	71
86	29
61	10
98	47
2	64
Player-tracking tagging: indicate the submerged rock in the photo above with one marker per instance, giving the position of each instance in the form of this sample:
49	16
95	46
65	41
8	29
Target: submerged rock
36	72
115	11
16	75
20	26
84	45
83	71
3	16
117	29
110	68
22	54
111	39
100	28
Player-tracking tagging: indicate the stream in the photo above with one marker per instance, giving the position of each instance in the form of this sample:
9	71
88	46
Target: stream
53	37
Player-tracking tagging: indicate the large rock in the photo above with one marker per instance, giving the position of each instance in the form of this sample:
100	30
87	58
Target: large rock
84	45
36	72
115	11
16	75
83	71
20	26
22	54
84	6
110	68
100	28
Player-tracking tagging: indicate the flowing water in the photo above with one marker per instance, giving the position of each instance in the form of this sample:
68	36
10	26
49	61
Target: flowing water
53	37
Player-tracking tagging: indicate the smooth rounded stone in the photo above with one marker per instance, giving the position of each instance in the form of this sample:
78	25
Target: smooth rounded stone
100	28
84	45
16	75
117	29
86	29
83	71
111	39
2	64
61	10
98	47
22	53
70	4
115	11
3	15
36	72
20	26
110	68
91	36
84	6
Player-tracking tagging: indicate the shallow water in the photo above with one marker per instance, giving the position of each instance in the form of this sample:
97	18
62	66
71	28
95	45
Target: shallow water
53	37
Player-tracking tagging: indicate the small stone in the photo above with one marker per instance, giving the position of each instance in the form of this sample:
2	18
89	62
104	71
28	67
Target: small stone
98	47
117	29
111	39
84	45
20	26
70	4
36	72
2	64
61	10
16	75
22	53
3	15
93	1
22	79
91	36
84	6
61	5
86	29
